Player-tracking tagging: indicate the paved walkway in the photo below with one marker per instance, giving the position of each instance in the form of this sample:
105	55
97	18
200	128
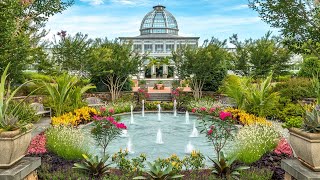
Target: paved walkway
41	125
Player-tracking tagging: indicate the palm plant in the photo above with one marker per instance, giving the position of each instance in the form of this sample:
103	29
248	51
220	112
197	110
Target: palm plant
236	87
223	167
94	165
157	172
64	90
259	97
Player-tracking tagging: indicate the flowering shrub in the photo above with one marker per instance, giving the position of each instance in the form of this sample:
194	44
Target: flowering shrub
253	141
203	103
67	142
247	119
135	165
283	148
143	94
153	105
213	111
120	107
78	116
220	130
174	160
194	161
38	144
106	129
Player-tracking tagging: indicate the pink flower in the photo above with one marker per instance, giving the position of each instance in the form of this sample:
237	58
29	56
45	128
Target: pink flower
203	109
223	115
97	118
283	148
110	118
103	109
121	126
210	132
194	110
111	110
212	109
38	145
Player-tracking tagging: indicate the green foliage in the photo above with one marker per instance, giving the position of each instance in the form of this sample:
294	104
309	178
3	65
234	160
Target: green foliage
71	53
311	122
112	63
256	98
67	142
298	22
153	105
260	99
259	57
223	167
195	161
256	174
64	93
95	166
295	89
253	141
295	122
21	23
26	114
9	111
133	166
235	88
287	109
310	67
156	172
206	102
191	62
121	106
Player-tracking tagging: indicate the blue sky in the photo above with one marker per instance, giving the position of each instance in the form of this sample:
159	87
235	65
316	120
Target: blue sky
203	18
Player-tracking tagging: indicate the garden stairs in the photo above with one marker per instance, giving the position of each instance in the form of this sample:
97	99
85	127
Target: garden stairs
159	95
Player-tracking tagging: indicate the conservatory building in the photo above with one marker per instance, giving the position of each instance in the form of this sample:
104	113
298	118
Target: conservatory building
159	36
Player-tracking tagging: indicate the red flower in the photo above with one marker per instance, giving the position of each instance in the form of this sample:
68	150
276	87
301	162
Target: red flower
110	118
194	110
103	109
212	109
97	118
203	109
111	110
210	132
223	115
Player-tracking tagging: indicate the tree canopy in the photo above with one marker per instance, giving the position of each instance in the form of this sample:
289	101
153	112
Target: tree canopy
298	21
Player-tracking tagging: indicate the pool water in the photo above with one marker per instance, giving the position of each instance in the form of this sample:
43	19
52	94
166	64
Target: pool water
143	136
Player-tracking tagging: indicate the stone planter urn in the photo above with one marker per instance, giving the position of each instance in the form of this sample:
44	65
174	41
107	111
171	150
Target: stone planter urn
307	147
13	146
160	86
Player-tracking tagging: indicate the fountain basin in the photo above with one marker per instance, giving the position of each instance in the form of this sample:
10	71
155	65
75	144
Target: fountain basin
143	134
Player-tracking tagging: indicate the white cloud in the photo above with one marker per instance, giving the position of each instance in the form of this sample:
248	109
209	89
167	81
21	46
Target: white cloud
131	2
239	7
93	2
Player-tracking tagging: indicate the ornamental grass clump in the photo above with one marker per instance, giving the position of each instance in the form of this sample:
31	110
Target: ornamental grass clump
252	142
67	142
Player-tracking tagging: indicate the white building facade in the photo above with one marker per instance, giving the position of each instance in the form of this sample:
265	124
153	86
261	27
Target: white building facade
158	38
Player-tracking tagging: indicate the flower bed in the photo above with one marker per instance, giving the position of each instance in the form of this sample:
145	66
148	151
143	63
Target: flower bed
78	116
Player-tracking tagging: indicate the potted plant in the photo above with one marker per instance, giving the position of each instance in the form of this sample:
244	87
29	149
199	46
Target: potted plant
160	85
142	83
306	141
15	137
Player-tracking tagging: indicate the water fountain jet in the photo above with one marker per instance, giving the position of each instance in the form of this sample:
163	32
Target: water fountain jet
159	112
159	137
187	118
189	148
124	133
142	108
131	119
175	108
130	146
195	132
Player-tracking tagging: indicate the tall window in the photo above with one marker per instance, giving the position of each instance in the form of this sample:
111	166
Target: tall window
148	47
169	47
159	48
137	47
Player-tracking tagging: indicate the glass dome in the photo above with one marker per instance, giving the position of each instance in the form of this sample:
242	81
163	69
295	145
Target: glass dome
159	21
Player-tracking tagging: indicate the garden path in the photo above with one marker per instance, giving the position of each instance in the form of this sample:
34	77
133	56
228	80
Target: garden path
41	125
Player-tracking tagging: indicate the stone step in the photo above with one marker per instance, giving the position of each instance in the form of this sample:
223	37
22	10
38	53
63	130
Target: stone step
159	97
